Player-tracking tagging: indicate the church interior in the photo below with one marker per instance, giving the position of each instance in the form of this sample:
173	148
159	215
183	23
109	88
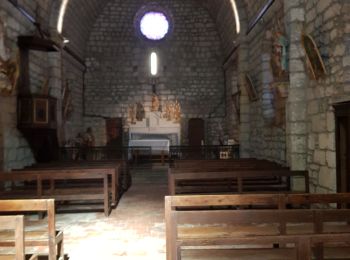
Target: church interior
173	129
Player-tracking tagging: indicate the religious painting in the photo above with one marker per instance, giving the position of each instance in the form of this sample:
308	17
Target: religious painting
41	111
314	60
251	90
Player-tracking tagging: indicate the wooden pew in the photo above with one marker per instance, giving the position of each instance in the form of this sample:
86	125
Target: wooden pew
214	221
44	185
121	166
49	238
239	181
112	171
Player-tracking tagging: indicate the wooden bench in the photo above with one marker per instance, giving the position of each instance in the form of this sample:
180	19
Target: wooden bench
48	238
124	179
111	170
51	184
238	181
213	221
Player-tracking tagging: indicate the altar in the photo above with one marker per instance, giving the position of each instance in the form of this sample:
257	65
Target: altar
155	133
157	146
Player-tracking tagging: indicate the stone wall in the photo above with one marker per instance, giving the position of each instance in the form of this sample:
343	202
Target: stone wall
15	151
43	66
296	105
232	102
73	78
260	137
190	64
328	23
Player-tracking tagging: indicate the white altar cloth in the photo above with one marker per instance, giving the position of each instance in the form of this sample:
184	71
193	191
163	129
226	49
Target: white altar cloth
158	146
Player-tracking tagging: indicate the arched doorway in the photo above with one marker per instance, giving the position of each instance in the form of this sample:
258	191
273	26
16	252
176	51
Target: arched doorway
342	115
1	139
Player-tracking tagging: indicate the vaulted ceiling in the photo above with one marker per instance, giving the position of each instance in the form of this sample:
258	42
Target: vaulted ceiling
81	15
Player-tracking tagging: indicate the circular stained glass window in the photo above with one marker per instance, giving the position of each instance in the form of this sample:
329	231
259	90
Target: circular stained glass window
154	25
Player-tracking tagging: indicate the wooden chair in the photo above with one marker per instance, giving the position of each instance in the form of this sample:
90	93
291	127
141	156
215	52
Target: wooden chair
50	237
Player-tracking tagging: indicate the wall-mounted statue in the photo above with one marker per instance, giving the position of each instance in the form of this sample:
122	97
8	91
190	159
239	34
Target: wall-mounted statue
172	111
132	113
155	103
177	112
140	111
279	53
168	111
9	68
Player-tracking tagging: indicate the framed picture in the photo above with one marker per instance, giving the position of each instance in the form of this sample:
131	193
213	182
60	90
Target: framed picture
252	93
41	107
313	58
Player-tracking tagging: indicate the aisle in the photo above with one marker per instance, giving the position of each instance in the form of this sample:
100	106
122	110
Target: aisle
134	230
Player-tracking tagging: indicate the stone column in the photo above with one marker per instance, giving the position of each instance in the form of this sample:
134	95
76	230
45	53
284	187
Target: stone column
244	127
296	125
267	96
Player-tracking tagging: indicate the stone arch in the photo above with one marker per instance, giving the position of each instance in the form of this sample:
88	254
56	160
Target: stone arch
54	12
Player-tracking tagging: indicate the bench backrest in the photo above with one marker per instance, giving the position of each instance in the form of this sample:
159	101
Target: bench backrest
280	200
16	223
239	176
222	209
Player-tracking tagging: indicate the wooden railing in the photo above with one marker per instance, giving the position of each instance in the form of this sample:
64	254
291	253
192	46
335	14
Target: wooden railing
102	153
144	153
204	152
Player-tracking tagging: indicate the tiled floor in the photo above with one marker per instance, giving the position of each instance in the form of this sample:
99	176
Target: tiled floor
134	230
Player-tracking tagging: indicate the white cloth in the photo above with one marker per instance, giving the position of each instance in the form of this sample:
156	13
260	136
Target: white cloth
157	145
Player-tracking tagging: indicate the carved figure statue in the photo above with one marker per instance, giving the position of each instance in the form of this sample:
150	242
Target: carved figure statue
140	112
9	68
132	114
155	103
89	138
167	111
177	112
279	53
